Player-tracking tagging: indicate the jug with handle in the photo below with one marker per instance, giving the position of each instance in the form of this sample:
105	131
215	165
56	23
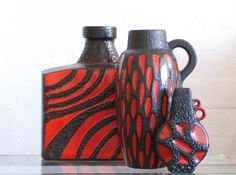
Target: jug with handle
147	76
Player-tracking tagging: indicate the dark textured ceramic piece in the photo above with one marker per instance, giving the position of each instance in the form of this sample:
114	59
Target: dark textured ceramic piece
148	74
182	142
79	113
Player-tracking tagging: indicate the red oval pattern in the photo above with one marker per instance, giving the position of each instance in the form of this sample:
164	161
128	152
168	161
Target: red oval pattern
139	126
152	123
148	104
155	59
142	60
149	78
168	61
164	106
141	94
133	108
141	159
155	91
128	92
135	80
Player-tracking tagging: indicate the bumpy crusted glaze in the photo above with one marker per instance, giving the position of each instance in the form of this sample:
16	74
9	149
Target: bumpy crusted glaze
98	51
182	142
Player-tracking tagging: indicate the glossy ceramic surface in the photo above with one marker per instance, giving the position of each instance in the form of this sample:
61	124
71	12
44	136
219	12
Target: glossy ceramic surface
148	74
79	112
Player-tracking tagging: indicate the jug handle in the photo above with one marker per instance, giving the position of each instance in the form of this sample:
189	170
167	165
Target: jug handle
192	57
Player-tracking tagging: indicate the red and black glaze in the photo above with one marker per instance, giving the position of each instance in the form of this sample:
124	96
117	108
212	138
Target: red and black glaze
182	142
148	74
79	111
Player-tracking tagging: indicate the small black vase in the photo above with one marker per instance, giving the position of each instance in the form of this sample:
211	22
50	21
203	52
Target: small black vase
182	142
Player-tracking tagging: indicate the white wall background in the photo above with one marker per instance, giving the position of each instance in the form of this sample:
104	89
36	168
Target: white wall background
36	35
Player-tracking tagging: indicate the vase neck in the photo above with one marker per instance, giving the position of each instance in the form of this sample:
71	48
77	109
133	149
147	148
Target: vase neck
98	51
99	45
147	39
182	103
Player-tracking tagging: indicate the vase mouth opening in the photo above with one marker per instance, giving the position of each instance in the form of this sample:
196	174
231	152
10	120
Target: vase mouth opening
147	39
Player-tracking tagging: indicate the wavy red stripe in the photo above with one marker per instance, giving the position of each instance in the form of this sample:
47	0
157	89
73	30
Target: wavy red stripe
72	147
96	139
77	78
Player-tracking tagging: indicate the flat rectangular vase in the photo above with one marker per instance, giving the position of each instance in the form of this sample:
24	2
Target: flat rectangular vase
79	114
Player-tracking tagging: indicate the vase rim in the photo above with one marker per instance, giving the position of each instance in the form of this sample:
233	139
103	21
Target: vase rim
96	32
147	39
148	30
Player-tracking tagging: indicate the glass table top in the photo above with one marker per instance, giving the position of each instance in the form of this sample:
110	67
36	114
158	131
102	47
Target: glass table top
35	165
